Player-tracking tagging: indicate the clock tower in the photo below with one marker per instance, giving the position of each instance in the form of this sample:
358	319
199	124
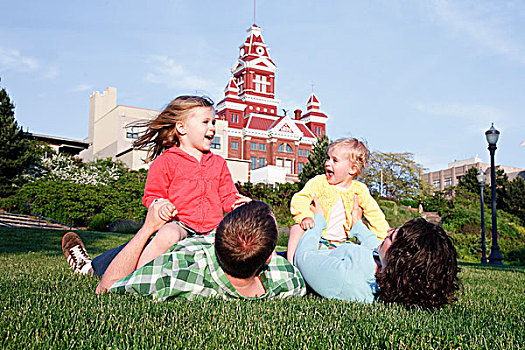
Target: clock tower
256	131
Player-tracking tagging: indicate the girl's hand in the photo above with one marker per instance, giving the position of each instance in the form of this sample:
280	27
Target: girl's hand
240	200
167	211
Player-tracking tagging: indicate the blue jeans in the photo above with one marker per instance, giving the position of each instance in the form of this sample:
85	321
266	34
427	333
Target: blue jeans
101	262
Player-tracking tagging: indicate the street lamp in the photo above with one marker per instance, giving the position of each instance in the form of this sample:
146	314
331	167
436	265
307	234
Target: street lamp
492	136
481	180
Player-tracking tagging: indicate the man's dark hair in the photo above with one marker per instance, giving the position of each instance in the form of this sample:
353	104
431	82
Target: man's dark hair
421	267
245	239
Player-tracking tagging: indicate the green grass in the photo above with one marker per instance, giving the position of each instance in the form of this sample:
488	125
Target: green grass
44	306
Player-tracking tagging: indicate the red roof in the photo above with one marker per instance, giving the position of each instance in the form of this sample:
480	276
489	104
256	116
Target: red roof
259	123
312	99
306	132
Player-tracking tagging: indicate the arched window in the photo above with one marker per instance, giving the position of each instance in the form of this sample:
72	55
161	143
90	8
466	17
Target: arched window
282	148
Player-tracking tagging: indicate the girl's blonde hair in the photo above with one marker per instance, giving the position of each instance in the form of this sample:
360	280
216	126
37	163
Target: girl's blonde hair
161	133
356	151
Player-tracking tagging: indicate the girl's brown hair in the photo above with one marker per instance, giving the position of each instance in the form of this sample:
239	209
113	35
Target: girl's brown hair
161	133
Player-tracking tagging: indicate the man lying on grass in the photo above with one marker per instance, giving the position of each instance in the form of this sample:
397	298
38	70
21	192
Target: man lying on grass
415	265
236	262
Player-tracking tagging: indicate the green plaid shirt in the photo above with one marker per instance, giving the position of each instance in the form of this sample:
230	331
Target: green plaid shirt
190	269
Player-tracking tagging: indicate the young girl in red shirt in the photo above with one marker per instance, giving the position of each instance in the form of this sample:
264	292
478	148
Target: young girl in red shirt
194	183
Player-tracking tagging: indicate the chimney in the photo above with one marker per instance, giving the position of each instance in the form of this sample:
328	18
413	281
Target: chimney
297	114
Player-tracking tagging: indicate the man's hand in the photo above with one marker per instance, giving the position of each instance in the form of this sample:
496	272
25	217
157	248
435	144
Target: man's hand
240	201
357	211
307	223
103	286
126	261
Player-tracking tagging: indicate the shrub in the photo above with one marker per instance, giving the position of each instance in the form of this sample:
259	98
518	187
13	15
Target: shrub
516	257
99	222
125	226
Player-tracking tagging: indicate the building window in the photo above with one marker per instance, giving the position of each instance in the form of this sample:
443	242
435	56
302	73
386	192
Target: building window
262	162
279	162
253	146
235	145
262	147
288	148
132	132
234	118
288	166
300	167
300	152
437	184
307	153
448	181
253	165
216	142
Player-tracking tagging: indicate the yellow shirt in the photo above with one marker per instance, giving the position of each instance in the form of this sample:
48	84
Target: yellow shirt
329	194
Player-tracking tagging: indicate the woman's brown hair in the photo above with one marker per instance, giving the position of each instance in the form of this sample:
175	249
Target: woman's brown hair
161	133
422	267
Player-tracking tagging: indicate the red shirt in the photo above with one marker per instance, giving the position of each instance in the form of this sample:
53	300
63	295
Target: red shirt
200	191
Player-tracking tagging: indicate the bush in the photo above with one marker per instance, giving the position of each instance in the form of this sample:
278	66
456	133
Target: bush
516	257
125	226
75	204
99	222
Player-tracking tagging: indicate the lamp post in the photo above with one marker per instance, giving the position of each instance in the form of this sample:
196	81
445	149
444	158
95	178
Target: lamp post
481	180
492	136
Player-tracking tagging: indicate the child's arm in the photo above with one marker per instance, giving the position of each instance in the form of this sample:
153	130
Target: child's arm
230	197
373	214
300	204
157	182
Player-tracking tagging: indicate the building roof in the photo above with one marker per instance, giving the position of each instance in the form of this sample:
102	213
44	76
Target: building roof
306	132
259	123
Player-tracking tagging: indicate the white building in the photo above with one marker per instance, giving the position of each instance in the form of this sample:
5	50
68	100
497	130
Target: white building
112	130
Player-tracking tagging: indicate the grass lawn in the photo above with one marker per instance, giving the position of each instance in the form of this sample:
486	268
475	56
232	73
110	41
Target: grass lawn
45	306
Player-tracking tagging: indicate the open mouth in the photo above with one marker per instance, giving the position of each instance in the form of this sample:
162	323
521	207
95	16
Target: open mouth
210	137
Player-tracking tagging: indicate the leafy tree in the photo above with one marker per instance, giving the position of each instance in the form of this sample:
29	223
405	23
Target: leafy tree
401	175
516	198
17	152
469	182
316	161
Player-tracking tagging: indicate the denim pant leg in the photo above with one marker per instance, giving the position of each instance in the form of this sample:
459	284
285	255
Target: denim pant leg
101	262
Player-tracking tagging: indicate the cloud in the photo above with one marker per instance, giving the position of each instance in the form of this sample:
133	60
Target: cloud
167	72
487	24
13	60
82	88
470	113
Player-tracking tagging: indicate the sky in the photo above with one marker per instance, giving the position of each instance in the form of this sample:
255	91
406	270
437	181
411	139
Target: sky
427	77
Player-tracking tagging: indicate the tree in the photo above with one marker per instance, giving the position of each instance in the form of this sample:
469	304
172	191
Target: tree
516	198
17	152
316	161
401	175
469	182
